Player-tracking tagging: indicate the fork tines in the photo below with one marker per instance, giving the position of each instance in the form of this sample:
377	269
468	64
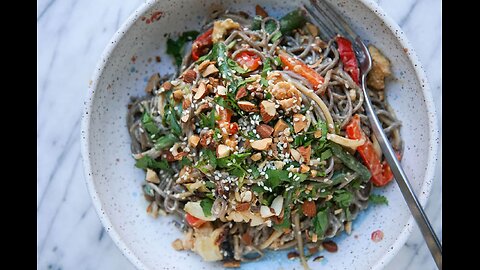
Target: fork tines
330	22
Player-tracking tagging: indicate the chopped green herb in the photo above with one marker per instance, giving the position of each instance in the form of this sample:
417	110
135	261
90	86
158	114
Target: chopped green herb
257	189
149	124
234	66
211	157
209	184
206	205
320	222
165	141
207	120
150	163
257	22
266	68
378	199
176	47
343	198
185	162
275	177
173	122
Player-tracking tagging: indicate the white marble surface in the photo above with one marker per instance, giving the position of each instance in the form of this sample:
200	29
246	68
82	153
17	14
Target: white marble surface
71	36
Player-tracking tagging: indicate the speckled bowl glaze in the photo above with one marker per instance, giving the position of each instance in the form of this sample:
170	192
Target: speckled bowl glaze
115	184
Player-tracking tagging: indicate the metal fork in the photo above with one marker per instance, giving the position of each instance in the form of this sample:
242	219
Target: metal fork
331	24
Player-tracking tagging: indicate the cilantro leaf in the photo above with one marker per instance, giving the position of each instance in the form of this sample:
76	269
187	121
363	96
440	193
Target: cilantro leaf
150	163
378	199
211	157
320	222
149	124
275	177
186	161
206	205
343	198
209	184
208	121
234	66
173	122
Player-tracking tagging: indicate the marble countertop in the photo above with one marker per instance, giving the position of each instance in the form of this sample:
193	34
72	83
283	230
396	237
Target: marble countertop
71	36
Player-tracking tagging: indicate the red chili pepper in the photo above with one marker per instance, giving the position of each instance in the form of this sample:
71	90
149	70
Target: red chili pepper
347	55
301	69
202	44
224	114
248	59
232	128
381	172
193	221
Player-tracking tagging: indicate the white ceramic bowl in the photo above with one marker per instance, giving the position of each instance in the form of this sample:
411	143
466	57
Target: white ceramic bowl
115	184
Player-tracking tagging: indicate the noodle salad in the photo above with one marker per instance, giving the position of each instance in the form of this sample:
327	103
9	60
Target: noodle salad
260	141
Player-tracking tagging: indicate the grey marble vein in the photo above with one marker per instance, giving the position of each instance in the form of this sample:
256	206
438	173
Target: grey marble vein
71	37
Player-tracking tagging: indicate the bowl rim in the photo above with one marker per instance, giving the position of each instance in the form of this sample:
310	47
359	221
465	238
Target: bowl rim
374	8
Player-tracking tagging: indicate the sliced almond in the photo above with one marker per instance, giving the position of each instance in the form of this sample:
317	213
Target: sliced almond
167	85
152	176
313	173
247	106
178	95
241	92
177	245
201	108
305	152
221	90
203	65
189	76
185	116
317	134
187	102
246	196
348	227
262	144
211	69
231	264
330	246
242	206
279	164
194	209
265	211
267	110
279	127
265	131
304	168
299	122
277	205
296	155
223	151
256	157
193	140
201	91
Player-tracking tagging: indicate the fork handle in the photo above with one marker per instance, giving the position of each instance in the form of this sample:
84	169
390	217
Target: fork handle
416	209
